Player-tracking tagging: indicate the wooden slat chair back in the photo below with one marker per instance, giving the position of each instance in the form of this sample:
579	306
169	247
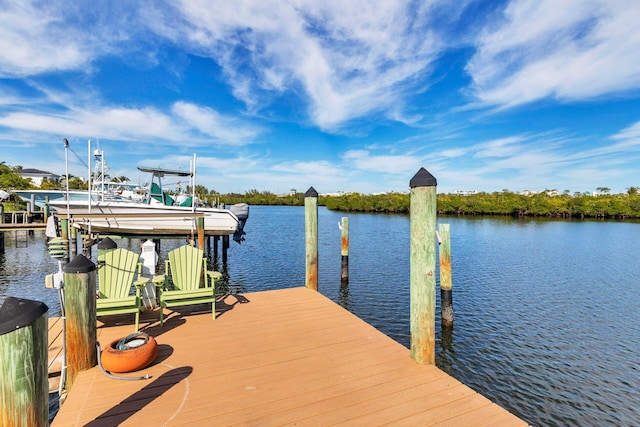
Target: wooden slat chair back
187	280
116	275
187	264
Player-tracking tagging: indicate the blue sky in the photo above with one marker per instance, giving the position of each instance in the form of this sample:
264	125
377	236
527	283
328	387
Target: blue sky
340	95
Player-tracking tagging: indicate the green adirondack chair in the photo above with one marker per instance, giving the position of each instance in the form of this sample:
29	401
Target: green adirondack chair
116	274
186	280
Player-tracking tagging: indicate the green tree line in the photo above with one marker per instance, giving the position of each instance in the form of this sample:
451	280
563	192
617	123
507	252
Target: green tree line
620	206
506	203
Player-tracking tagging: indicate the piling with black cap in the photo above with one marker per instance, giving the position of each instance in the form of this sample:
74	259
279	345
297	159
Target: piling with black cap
423	266
105	245
311	237
24	385
80	307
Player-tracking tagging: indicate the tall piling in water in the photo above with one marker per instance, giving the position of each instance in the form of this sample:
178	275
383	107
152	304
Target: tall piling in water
311	237
446	287
344	251
24	384
423	266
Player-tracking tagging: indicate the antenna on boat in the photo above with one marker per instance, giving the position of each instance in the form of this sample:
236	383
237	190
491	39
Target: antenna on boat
89	179
193	185
66	168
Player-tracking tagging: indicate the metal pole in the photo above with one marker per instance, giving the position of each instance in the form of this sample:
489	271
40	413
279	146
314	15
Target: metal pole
66	168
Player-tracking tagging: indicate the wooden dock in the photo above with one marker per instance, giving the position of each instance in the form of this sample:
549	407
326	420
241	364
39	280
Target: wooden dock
280	357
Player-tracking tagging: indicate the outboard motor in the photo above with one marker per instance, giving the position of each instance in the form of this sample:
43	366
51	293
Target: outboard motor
241	210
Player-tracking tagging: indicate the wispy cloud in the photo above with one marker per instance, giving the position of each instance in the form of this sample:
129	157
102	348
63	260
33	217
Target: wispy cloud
568	50
348	58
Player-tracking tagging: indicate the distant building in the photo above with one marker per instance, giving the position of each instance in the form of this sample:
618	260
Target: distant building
465	192
37	176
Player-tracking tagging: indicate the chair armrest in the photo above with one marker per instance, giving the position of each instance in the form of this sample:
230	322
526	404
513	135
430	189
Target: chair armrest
214	274
141	282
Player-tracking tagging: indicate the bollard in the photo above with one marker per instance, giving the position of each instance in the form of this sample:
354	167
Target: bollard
344	251
311	237
80	308
422	220
446	294
24	385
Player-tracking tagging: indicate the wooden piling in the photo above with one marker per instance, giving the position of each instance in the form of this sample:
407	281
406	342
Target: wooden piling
200	224
311	237
64	233
446	293
73	242
46	209
344	251
423	266
80	309
225	248
216	239
1	232
24	385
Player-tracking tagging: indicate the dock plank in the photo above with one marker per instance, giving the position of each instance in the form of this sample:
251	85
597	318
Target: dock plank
275	358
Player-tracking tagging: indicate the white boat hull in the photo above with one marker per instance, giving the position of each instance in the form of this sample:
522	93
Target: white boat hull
130	218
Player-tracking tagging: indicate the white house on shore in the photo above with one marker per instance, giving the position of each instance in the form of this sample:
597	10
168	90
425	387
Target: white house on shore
37	176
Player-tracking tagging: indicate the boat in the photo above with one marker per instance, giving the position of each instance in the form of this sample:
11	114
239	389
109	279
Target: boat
157	214
41	197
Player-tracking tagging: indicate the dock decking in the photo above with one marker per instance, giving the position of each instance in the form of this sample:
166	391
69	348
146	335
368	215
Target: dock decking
274	358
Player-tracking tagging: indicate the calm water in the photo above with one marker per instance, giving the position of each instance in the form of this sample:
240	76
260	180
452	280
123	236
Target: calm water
546	312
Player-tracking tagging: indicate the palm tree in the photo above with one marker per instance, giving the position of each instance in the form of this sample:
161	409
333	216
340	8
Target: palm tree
603	190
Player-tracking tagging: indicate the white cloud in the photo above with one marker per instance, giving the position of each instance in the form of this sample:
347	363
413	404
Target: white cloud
185	124
33	39
502	147
349	58
569	50
382	163
224	130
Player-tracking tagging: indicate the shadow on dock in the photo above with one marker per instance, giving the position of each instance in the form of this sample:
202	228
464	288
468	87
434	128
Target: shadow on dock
138	400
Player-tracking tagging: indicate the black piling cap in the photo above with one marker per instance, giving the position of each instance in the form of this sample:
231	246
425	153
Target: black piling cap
80	264
17	313
423	178
311	192
107	243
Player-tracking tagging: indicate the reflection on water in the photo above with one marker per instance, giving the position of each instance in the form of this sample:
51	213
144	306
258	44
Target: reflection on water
546	319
